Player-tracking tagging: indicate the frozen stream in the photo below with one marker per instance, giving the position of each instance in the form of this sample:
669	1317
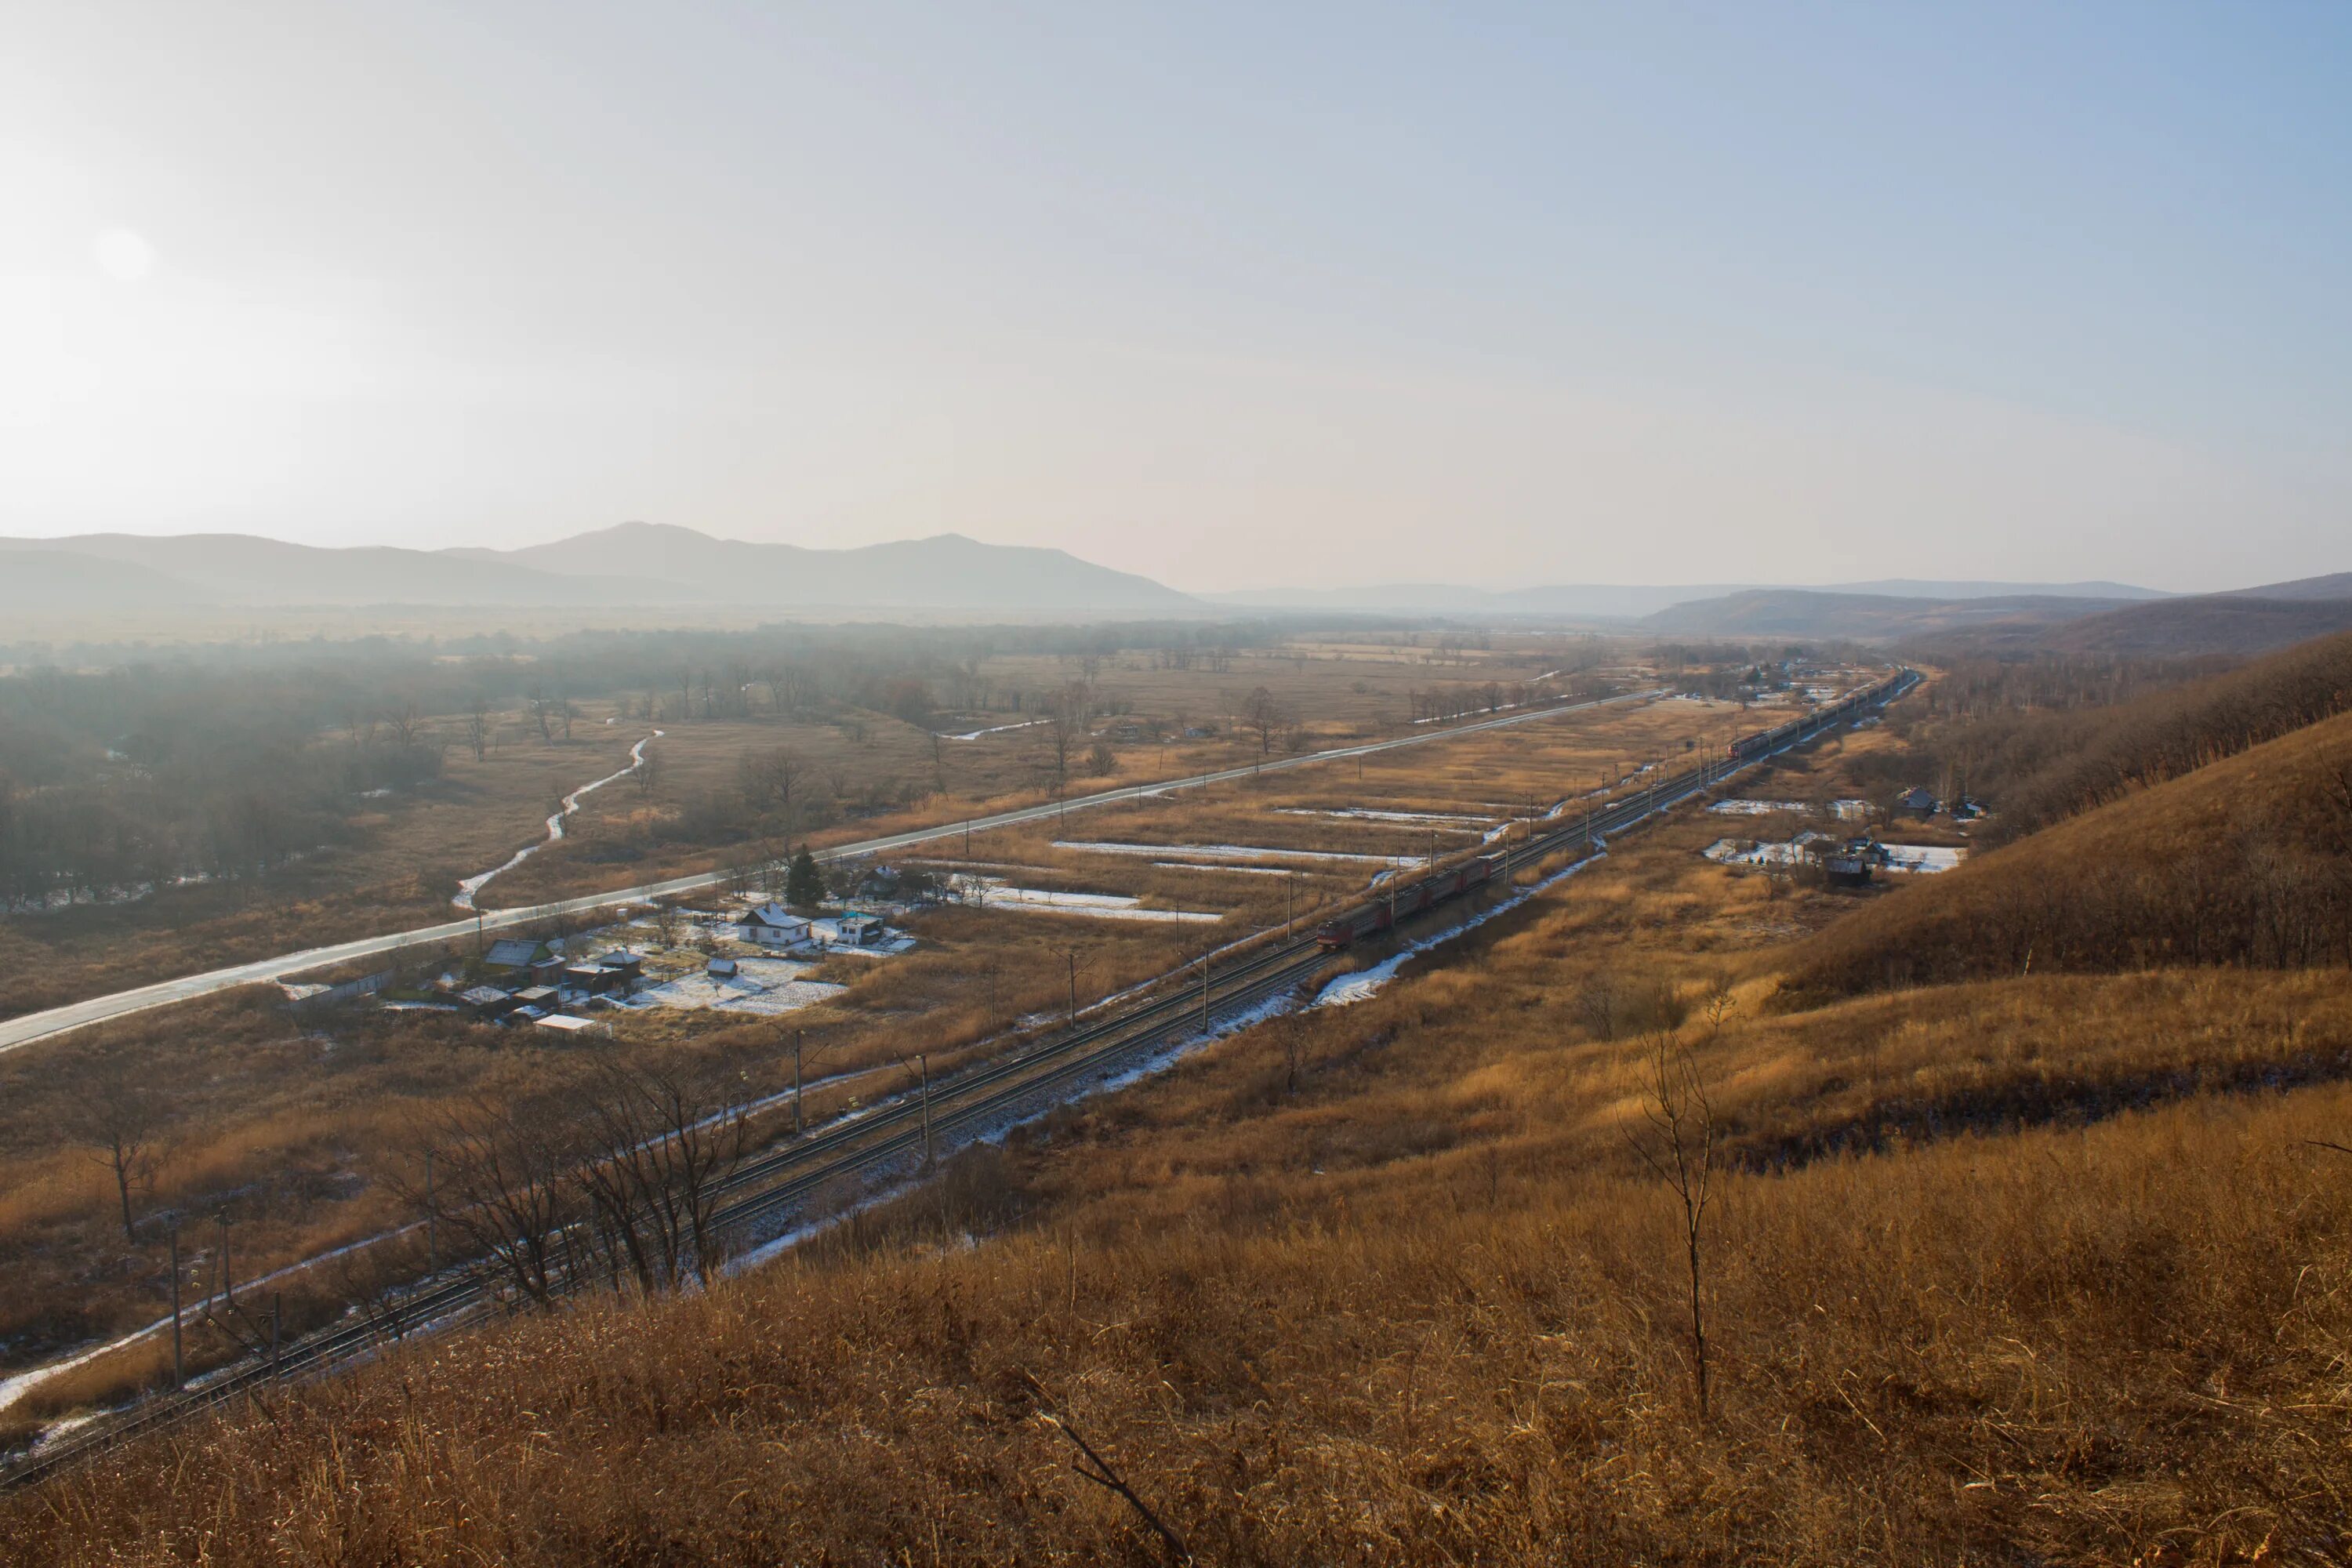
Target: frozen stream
473	885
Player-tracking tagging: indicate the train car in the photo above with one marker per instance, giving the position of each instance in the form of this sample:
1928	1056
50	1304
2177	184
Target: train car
1386	910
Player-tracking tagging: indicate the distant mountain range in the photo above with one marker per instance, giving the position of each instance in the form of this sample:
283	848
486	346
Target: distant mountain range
1630	600
651	565
2242	621
634	563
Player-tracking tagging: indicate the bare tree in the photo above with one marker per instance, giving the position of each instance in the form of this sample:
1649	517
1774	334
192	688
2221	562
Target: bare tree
665	1139
404	722
117	1115
502	1189
478	727
767	780
1067	713
1262	714
1598	1003
1679	1146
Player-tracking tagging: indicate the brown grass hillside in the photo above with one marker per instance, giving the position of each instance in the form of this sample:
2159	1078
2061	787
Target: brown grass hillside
2026	1269
2055	764
2247	862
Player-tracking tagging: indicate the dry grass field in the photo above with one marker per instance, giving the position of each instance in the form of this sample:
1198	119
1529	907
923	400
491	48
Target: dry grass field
2041	1267
298	1127
402	858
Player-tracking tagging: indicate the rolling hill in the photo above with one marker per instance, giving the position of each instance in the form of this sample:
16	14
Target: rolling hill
632	564
946	572
1870	618
2215	828
2252	621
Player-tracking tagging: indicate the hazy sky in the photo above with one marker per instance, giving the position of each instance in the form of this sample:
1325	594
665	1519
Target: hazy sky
1237	296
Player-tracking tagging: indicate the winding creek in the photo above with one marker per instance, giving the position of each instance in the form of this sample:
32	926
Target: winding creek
473	885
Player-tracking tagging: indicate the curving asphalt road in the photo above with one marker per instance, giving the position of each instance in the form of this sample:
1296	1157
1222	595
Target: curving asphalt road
31	1027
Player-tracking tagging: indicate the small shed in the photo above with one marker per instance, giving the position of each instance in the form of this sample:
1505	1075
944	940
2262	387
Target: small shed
624	964
542	997
565	1023
722	969
548	971
485	1001
1918	801
511	953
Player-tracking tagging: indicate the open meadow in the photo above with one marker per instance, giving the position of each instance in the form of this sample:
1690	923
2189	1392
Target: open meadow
2026	1266
305	1131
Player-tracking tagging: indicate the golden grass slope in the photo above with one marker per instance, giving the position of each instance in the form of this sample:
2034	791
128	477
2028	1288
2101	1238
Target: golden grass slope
2246	861
2023	1269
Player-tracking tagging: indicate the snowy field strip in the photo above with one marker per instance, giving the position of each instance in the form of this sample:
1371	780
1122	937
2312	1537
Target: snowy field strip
1233	852
1235	871
992	893
1367	813
1921	859
1755	808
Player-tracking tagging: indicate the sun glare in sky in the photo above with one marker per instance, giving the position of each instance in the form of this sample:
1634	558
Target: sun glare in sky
123	255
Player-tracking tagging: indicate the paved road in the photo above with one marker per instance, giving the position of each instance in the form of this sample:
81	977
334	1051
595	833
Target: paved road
32	1026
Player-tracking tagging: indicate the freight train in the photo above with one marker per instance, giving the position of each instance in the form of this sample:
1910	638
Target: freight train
1749	747
1428	893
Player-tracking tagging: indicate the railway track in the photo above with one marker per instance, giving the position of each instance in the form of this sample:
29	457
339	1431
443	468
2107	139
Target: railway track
784	1179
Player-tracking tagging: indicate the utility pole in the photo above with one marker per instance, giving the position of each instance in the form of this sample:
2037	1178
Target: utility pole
798	1034
1290	910
1204	994
1072	955
227	1280
967	837
276	1303
432	1221
923	1066
178	1363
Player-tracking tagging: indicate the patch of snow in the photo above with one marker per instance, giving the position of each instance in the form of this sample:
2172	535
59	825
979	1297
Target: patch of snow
997	730
763	986
991	892
1747	852
1234	852
1366	813
1921	859
1235	871
1755	808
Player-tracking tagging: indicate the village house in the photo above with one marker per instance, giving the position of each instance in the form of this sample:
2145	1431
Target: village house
772	925
859	930
1918	801
1853	863
511	953
594	980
